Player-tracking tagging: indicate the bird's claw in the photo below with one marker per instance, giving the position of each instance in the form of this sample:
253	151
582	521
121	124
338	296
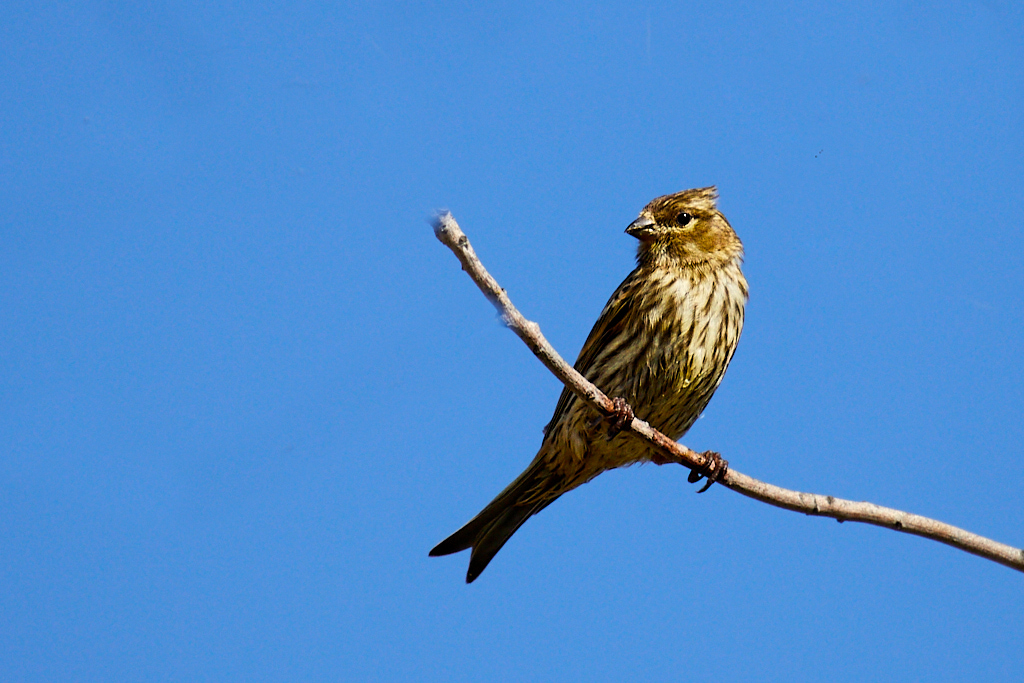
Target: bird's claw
622	415
717	466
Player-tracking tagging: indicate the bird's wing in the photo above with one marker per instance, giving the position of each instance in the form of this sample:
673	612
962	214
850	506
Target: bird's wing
609	326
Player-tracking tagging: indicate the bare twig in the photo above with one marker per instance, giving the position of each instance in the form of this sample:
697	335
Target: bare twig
448	231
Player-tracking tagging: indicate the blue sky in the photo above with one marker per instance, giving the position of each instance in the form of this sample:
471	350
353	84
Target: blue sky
243	390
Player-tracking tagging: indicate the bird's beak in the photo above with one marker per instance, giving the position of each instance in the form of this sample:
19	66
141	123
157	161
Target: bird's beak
641	227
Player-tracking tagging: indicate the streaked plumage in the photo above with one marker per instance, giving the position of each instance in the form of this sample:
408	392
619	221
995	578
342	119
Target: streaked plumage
662	342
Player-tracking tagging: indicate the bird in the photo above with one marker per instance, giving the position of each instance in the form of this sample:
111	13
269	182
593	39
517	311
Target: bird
660	346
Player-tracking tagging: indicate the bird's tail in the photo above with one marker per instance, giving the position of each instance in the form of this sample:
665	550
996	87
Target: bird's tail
531	492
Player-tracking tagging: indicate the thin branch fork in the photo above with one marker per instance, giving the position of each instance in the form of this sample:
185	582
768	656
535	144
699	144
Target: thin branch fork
449	233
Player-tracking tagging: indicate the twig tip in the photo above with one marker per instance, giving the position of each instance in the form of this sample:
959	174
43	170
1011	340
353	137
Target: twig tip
441	221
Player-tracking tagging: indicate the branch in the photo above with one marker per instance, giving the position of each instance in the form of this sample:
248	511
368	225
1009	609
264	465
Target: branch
448	231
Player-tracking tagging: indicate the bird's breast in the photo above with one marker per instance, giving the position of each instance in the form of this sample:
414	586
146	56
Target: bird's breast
692	323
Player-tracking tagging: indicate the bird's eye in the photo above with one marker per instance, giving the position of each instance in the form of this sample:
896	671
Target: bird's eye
683	218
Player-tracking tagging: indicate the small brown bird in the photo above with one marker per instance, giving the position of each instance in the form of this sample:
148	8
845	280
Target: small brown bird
662	343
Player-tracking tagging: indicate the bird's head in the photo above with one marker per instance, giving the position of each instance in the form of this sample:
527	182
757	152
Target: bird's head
685	228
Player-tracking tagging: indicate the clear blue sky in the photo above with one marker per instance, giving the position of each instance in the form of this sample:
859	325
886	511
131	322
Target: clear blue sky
243	390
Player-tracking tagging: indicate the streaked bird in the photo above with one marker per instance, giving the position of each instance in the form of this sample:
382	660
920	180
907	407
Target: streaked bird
661	344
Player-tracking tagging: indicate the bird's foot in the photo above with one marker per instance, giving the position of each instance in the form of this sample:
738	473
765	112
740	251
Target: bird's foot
622	415
716	467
